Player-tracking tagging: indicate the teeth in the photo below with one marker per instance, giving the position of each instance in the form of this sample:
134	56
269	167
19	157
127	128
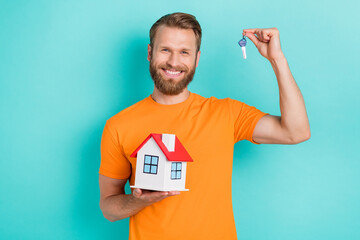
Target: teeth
172	72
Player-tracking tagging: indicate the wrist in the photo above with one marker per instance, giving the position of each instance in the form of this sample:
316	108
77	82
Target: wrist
280	59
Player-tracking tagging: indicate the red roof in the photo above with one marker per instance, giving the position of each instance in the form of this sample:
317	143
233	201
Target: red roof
179	155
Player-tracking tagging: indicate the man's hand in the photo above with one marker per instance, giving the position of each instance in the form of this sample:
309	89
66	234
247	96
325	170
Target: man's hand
116	205
267	41
147	197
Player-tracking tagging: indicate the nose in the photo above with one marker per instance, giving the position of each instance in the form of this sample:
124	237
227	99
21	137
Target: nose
173	60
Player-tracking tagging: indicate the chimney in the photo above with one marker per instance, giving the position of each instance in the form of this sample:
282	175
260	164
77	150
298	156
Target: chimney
169	141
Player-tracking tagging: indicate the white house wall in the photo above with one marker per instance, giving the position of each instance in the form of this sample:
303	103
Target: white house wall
174	184
146	180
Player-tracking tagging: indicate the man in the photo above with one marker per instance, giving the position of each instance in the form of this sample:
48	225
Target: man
207	127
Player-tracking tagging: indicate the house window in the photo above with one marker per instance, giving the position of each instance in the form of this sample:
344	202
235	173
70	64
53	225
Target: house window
151	164
176	170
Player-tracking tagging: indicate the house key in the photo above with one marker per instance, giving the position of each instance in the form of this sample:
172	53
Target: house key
242	44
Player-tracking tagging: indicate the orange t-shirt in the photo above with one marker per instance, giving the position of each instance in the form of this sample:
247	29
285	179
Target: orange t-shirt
208	128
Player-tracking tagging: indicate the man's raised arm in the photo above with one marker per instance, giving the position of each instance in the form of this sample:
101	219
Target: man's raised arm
293	125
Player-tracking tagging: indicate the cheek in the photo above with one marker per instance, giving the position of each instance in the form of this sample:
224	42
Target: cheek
191	63
159	61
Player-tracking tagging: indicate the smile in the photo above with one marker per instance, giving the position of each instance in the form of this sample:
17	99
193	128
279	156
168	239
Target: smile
172	73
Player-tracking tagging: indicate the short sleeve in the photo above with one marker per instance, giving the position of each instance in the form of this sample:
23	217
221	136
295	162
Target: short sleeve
113	164
245	118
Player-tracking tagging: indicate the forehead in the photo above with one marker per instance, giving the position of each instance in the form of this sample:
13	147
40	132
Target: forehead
175	38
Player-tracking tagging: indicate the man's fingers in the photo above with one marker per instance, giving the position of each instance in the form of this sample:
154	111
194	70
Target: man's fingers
137	192
266	40
253	38
266	36
263	35
161	194
250	30
173	193
153	196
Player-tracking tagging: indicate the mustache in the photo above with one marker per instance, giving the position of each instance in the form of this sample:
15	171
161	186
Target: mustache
168	67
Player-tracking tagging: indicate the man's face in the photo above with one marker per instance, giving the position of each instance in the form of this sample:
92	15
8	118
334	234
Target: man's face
173	59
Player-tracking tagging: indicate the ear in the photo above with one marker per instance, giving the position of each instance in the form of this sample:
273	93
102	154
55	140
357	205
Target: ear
149	53
198	58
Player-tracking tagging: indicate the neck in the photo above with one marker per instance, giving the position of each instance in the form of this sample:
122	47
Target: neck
161	98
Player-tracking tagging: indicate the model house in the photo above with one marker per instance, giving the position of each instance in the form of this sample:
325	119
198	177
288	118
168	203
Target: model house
161	163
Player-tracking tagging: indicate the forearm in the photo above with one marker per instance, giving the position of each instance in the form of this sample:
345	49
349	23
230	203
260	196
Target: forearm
120	206
293	112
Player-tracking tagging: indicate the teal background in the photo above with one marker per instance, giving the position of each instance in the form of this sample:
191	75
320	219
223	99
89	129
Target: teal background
67	66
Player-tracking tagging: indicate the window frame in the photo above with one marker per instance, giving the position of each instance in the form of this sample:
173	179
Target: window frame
151	164
177	170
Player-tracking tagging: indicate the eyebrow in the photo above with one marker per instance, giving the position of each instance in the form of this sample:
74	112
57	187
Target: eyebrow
186	49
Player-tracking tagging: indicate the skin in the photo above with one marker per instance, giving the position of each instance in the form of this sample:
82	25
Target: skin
174	49
162	57
169	49
291	127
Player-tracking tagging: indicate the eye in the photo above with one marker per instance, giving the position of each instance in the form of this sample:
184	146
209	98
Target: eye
184	52
165	50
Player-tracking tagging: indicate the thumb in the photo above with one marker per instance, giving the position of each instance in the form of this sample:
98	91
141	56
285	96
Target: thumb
253	38
137	192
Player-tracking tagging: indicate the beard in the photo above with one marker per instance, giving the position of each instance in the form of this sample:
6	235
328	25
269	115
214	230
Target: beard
170	86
